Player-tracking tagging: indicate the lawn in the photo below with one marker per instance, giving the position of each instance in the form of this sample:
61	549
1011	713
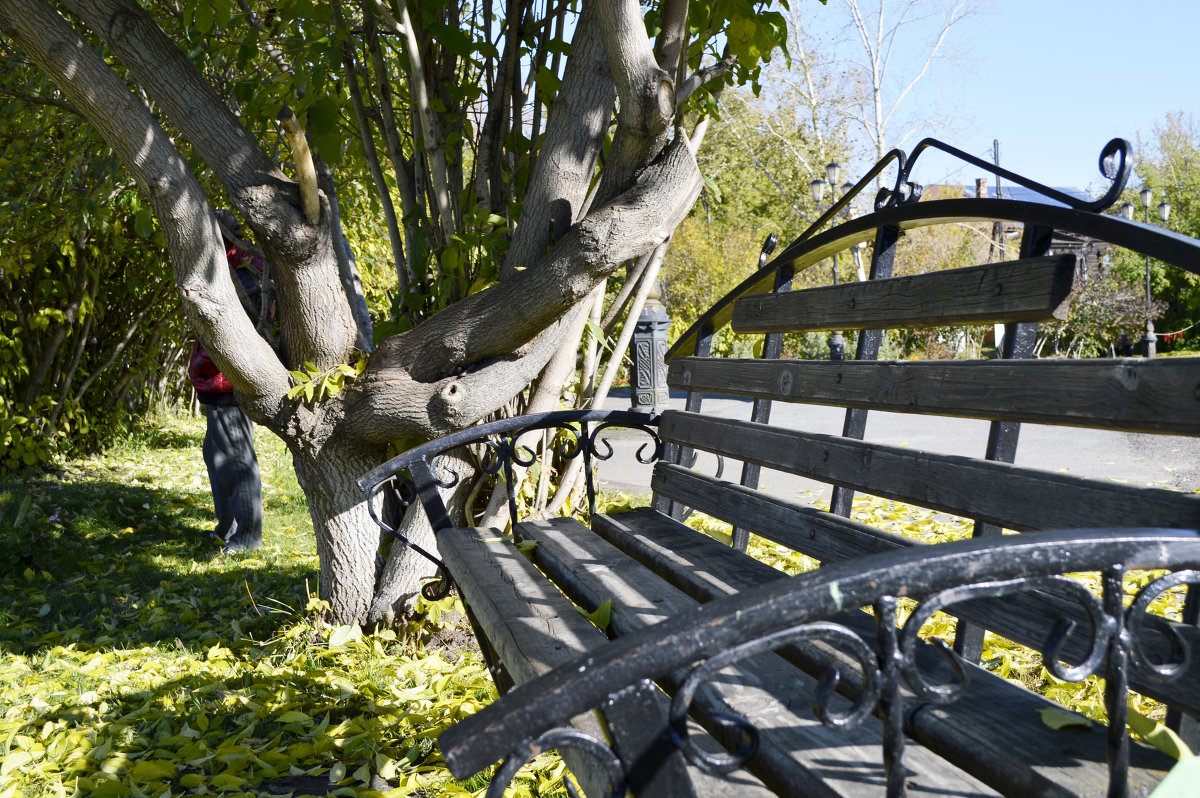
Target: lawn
135	661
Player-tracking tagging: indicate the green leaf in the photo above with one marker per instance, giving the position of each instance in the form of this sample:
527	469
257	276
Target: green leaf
601	616
152	770
1059	718
203	17
597	333
143	224
1158	735
453	39
340	636
294	716
15	760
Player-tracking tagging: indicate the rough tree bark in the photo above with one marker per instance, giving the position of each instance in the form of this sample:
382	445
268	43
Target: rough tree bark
455	368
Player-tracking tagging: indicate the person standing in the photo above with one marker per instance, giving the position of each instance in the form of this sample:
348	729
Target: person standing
229	455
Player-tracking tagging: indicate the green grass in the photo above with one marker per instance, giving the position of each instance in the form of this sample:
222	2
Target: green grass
133	662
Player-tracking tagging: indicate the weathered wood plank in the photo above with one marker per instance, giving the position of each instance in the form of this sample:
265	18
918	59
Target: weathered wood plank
1031	289
1138	395
979	733
796	749
814	532
533	629
997	493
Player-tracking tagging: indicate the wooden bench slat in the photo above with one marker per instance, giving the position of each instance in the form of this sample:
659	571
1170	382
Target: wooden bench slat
814	532
533	629
977	734
795	749
1032	289
997	493
1140	395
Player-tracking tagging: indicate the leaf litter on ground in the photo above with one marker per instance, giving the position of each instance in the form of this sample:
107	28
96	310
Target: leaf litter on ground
133	662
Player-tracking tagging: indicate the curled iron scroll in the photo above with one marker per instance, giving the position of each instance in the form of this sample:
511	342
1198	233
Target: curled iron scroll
1103	628
595	442
1116	165
828	632
570	446
1180	649
434	590
437	468
558	739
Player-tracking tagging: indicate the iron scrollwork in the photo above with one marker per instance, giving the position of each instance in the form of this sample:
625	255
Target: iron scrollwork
1134	625
1109	634
1116	165
406	494
823	631
558	739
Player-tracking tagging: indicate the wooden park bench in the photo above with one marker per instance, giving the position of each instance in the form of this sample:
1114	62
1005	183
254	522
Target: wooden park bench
716	672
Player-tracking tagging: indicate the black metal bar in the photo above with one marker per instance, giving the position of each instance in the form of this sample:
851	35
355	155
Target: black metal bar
883	261
760	412
1019	343
507	426
588	477
510	489
426	483
891	702
681	455
1116	686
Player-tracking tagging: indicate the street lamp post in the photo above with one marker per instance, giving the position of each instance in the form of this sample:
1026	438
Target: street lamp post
837	343
1149	340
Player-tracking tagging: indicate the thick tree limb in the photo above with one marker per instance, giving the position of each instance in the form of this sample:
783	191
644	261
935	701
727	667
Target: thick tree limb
570	149
316	324
646	91
193	237
169	77
671	43
499	324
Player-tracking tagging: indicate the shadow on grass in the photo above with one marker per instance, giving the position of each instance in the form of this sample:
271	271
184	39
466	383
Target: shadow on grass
102	564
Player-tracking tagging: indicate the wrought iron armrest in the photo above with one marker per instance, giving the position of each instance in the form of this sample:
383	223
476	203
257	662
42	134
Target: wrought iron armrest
417	474
799	608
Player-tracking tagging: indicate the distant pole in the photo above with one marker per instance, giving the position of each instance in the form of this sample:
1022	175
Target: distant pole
996	250
996	160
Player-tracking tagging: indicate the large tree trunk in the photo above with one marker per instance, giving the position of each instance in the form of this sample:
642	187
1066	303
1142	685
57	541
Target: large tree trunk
347	538
453	369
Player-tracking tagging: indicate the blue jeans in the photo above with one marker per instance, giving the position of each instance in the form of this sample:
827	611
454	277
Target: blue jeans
234	477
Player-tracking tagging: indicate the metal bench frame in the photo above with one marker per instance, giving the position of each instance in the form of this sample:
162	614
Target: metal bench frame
787	611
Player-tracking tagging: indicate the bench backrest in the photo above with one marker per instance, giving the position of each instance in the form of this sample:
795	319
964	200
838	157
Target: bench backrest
1140	395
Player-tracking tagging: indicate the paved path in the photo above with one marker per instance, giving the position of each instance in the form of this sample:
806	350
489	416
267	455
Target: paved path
1139	459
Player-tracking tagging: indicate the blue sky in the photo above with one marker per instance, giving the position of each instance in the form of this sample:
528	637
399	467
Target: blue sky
1053	80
